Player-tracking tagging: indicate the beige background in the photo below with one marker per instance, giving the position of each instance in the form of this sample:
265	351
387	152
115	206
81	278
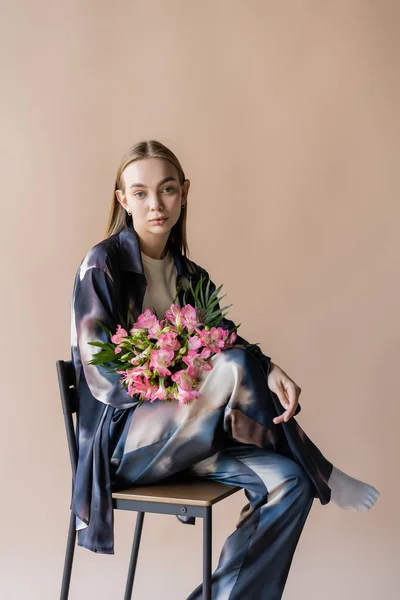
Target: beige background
285	117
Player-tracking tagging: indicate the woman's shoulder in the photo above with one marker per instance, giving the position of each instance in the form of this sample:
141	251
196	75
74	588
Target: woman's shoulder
105	255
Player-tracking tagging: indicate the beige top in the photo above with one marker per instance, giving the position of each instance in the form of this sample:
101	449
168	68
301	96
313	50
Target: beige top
161	283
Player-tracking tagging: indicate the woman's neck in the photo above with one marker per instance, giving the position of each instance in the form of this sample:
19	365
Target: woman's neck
154	250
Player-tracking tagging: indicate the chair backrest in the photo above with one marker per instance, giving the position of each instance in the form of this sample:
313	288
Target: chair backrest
69	401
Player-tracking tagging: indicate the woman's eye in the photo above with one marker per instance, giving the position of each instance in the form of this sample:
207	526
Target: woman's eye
168	188
136	194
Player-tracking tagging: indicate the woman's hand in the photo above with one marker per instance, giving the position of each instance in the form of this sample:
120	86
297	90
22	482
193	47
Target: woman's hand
287	391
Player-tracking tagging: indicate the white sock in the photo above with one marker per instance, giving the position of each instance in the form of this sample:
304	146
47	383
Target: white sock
350	493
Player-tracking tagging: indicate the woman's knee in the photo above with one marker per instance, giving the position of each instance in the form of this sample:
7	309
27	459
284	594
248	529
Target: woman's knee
302	484
281	475
235	351
241	357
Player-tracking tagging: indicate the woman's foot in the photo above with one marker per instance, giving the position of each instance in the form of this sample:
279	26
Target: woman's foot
350	493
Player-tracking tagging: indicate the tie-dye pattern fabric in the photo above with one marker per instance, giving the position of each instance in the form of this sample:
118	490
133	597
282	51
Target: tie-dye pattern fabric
255	559
120	444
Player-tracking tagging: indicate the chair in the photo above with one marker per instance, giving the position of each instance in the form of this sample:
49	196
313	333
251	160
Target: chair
193	497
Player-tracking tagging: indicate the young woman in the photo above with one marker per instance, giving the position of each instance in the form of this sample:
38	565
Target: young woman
236	431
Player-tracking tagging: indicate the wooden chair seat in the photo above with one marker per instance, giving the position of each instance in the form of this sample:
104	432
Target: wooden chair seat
194	493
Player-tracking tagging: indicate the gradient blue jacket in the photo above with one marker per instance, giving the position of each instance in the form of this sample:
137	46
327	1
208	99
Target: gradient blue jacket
109	286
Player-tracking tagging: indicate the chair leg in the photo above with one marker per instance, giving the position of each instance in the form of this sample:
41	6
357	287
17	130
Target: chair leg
207	540
69	557
134	555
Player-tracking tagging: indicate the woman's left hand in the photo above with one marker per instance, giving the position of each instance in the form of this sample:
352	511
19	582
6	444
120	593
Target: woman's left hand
287	391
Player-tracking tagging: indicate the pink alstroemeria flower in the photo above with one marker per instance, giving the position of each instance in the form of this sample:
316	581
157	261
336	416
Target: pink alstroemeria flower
229	339
186	396
161	360
189	317
120	333
232	338
136	375
156	329
137	387
146	320
196	362
141	371
214	338
183	379
169	341
173	314
138	380
194	342
151	393
131	391
142	355
161	393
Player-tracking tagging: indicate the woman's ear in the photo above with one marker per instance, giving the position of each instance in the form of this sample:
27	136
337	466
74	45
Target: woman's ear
185	190
121	198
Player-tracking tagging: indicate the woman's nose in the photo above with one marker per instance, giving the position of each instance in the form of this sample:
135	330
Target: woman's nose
155	202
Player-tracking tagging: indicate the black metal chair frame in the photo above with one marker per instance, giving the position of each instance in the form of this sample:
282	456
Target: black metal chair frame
69	400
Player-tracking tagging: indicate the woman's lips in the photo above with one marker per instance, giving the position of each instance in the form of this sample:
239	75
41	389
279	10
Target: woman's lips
158	221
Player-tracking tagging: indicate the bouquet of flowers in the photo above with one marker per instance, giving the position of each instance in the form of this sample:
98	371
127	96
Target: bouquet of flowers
163	359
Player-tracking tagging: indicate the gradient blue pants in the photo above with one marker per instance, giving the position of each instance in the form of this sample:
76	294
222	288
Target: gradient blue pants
256	557
228	435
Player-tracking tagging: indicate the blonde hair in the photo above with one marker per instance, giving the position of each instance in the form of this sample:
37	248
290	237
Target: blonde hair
118	217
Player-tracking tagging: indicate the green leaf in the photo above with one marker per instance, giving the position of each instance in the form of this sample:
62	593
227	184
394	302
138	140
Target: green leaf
216	292
104	328
215	302
197	289
225	308
98	355
99	344
202	294
208	289
215	313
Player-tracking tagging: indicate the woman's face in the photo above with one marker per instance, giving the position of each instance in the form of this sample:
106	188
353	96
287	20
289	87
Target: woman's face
152	190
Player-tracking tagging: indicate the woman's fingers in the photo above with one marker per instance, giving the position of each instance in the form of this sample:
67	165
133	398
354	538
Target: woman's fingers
287	391
288	394
279	419
293	396
281	393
